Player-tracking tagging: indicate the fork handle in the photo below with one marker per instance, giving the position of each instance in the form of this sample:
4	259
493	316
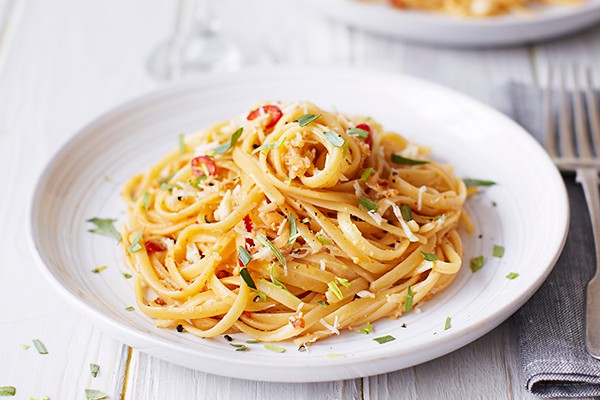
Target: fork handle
588	177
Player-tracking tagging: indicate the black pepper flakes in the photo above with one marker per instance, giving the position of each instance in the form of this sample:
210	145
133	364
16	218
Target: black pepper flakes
228	338
255	146
179	328
494	204
256	299
480	236
403	325
302	348
179	198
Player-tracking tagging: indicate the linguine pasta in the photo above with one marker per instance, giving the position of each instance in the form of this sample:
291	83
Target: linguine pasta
291	222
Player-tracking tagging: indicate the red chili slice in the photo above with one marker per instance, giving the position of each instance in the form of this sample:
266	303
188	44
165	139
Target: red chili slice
152	247
210	164
369	139
248	226
273	111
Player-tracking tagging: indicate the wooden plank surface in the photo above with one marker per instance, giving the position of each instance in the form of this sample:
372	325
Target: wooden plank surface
64	62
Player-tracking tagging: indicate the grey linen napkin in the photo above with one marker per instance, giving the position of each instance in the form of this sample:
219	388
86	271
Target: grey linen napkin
551	325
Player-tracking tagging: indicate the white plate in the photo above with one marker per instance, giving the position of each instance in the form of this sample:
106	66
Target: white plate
547	21
529	216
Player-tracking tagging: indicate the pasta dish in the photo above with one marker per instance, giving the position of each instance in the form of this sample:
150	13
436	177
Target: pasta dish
291	223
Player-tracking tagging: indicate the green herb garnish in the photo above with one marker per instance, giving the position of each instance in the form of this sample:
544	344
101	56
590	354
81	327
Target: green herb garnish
244	256
197	181
39	346
367	203
7	391
307	119
130	308
476	263
334	355
334	138
25	346
384	339
99	269
274	280
367	172
361	133
478	182
146	201
274	348
266	242
407	161
247	278
406	212
408	301
94	369
366	330
253	341
93	394
343	281
322	303
167	186
335	290
429	256
126	275
293	229
448	323
135	244
270	145
181	143
498	251
227	146
512	275
239	347
323	240
104	226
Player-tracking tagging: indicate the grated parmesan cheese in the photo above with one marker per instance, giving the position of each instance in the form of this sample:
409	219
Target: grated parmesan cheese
405	227
365	294
333	329
422	190
376	217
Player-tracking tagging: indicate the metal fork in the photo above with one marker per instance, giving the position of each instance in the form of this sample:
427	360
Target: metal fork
574	152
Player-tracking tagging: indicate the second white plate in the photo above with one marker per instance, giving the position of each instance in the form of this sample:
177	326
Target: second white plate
526	212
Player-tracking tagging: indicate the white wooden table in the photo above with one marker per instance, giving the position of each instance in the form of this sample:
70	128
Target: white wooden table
63	62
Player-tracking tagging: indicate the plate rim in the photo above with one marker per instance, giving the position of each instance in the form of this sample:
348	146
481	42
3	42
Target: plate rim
459	337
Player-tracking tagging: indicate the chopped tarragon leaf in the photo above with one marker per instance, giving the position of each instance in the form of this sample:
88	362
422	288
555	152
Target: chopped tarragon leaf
406	212
498	251
366	330
307	119
247	278
239	347
271	145
361	133
167	186
476	263
334	355
39	346
512	275
322	303
384	339
266	242
274	348
99	269
429	256
335	290
126	275
130	308
370	205
261	295
323	240
167	178
253	341
334	138
146	201
135	244
244	256
25	346
448	323
273	279
196	182
181	143
367	172
408	302
224	148
7	391
293	229
477	182
343	281
93	394
94	369
104	226
407	161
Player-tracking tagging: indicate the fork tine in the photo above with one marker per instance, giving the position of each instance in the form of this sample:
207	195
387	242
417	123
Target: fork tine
583	143
565	133
593	111
550	128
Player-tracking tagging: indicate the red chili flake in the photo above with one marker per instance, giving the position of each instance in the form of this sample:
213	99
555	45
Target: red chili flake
273	111
249	228
160	301
210	164
297	323
153	247
369	139
247	314
383	182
